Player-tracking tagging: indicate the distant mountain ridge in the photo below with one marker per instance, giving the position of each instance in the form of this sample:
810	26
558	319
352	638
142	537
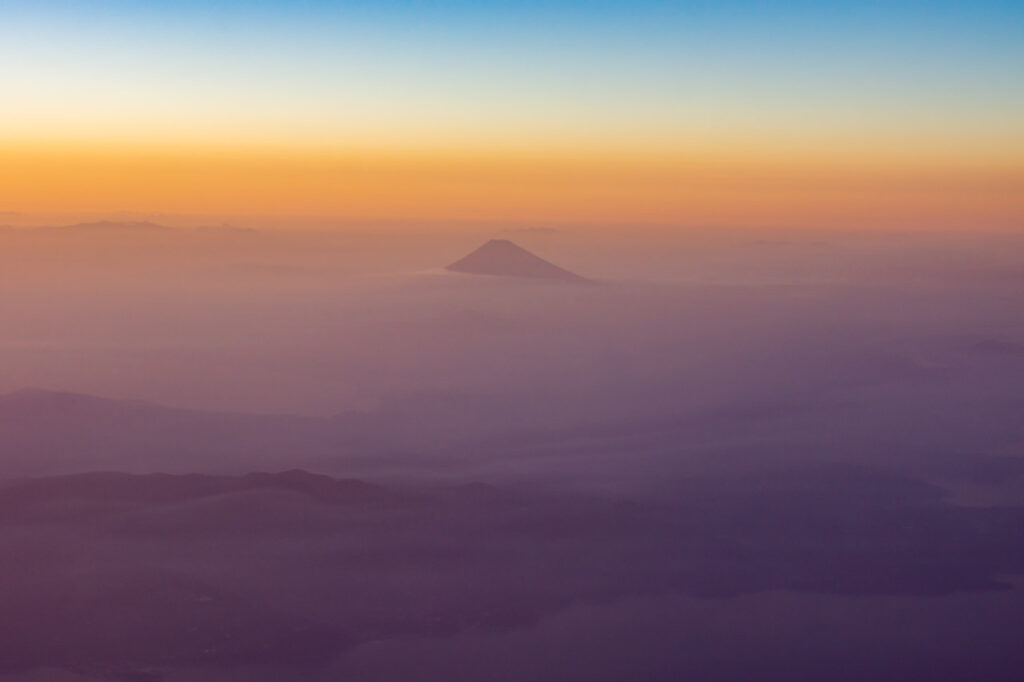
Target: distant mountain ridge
45	433
50	432
134	227
164	488
503	258
111	225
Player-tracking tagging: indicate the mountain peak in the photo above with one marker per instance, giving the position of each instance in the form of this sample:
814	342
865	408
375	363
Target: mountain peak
503	258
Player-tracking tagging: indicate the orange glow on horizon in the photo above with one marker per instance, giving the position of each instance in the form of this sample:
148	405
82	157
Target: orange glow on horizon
701	185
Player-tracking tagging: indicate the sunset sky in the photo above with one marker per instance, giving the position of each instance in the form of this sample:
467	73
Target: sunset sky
842	114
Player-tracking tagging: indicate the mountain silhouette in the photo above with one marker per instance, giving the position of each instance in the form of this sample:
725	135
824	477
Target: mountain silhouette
111	226
48	432
121	489
500	257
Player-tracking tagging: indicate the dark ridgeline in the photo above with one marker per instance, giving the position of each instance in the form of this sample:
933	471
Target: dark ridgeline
123	576
502	258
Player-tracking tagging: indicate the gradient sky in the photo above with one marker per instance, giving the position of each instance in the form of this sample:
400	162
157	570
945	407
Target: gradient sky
906	114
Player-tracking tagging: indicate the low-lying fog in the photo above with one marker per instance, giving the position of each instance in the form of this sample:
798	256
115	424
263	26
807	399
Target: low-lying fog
797	453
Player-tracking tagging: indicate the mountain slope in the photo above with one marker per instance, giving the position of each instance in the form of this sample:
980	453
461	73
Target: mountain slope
500	257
